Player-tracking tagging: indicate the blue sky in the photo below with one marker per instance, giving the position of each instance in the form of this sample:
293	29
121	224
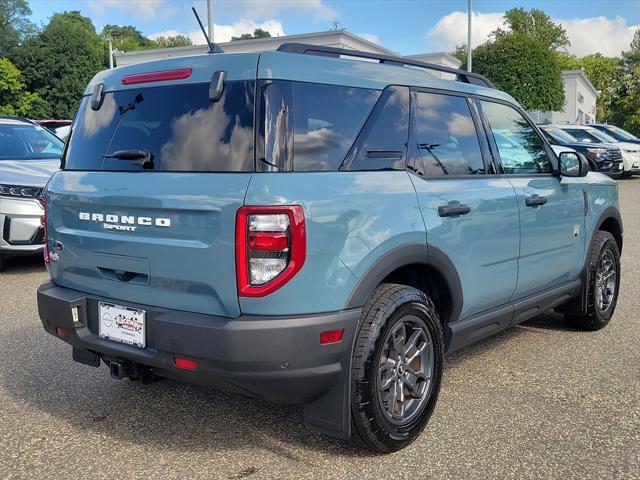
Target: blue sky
405	26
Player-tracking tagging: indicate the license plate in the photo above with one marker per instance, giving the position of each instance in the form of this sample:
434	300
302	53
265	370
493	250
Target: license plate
121	324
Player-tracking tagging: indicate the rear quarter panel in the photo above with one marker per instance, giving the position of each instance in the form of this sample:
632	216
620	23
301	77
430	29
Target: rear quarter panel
352	219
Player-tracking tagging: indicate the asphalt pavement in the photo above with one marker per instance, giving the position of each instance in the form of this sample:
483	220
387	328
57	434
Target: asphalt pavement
539	400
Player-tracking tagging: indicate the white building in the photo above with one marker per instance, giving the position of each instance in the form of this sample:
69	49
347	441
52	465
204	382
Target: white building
580	98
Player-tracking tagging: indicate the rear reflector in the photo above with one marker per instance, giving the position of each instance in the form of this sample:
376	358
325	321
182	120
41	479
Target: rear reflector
157	76
331	336
184	363
62	331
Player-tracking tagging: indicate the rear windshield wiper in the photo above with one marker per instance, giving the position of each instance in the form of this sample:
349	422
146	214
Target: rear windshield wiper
143	157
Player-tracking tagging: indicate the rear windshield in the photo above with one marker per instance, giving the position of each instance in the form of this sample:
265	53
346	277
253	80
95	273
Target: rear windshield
178	124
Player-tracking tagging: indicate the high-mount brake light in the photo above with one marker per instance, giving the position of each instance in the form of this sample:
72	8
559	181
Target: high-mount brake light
271	247
161	76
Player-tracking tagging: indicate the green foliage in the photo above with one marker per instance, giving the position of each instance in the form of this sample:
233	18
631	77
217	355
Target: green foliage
15	26
171	42
522	66
534	24
14	100
58	63
126	38
626	105
257	33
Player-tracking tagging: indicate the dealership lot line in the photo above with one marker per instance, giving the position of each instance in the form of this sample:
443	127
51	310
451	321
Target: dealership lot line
539	401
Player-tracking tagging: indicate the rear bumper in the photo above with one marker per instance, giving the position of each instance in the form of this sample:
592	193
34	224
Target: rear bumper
279	359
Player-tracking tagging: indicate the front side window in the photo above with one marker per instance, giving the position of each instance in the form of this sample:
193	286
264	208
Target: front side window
520	147
445	141
178	124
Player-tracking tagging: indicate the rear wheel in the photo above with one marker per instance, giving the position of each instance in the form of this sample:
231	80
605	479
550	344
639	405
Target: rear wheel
1	262
397	368
603	283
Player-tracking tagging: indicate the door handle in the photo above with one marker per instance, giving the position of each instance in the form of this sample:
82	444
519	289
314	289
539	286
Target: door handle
453	209
535	200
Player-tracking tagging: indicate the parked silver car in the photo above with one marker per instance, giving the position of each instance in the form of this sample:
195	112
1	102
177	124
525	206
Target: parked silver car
29	154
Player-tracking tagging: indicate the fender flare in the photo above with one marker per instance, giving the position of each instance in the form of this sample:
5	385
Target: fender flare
414	253
613	213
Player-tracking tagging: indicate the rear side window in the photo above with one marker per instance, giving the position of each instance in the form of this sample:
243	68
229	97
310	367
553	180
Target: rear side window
327	119
178	124
445	141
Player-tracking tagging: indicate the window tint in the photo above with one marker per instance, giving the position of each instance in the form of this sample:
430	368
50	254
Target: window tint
275	147
557	135
178	124
382	142
583	136
445	141
327	119
24	141
521	149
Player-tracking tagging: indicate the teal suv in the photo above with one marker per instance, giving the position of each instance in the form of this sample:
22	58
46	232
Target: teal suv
315	226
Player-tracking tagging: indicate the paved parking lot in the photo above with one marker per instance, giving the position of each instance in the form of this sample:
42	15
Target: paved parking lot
539	400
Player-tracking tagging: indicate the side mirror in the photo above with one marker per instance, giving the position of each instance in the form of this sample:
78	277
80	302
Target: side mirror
573	164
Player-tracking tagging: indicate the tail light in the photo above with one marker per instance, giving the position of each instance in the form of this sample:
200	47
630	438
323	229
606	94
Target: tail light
270	248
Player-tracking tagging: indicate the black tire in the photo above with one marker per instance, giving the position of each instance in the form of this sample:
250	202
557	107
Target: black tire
391	310
1	262
604	249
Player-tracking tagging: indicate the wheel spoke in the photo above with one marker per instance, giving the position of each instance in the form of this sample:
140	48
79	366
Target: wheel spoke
387	375
416	382
397	340
412	349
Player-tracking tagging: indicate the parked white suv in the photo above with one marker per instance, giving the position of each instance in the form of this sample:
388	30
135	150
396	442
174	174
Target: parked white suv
29	154
587	134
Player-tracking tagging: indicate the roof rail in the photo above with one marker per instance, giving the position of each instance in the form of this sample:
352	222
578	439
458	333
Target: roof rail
461	75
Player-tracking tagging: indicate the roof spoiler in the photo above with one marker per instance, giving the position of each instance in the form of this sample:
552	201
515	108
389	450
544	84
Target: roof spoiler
461	75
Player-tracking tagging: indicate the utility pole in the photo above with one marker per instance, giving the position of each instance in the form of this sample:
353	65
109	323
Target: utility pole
210	19
469	21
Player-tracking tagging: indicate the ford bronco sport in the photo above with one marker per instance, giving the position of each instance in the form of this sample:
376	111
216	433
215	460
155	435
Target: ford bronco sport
307	227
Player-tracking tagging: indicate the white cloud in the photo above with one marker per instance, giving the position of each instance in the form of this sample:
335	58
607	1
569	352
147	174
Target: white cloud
598	34
262	9
144	9
223	33
372	37
451	30
587	35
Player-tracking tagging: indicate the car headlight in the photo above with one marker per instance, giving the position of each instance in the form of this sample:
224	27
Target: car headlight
19	191
599	152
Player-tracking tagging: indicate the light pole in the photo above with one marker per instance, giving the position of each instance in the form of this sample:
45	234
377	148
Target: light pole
469	21
109	39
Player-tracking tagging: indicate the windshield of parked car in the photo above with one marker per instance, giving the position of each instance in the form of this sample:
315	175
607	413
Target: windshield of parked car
25	141
589	135
558	135
619	134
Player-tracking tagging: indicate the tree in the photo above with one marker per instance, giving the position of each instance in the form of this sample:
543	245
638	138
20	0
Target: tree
14	100
626	109
58	63
523	67
15	26
535	24
126	38
257	33
171	42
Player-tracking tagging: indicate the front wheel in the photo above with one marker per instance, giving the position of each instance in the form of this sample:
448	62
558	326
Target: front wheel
396	369
603	283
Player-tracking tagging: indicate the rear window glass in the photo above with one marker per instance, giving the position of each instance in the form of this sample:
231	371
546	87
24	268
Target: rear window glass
178	124
327	119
